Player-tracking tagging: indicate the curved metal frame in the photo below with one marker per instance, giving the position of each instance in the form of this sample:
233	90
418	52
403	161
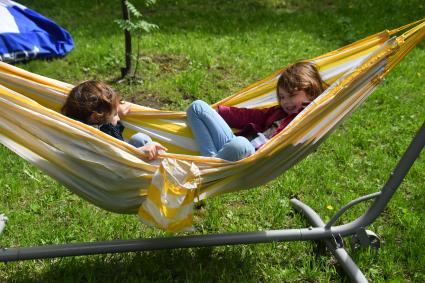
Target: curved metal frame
332	235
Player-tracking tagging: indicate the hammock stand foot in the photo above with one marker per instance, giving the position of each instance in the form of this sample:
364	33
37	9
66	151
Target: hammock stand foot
334	245
365	238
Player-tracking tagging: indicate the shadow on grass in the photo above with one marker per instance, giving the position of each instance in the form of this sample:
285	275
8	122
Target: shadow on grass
340	21
334	19
194	265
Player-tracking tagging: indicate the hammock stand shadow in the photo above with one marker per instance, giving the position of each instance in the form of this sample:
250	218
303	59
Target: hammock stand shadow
327	232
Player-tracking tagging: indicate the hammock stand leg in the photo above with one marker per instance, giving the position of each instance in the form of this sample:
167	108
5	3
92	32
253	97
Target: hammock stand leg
332	235
357	227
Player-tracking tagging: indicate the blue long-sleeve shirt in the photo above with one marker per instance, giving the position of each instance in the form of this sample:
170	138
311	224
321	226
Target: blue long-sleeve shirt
114	131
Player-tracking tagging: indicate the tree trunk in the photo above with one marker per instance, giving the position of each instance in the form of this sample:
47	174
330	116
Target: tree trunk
128	58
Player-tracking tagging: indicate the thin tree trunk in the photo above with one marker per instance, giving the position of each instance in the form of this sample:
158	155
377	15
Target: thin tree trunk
128	59
138	56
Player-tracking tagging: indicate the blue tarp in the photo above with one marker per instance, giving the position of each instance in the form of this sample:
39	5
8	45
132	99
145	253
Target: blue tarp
25	34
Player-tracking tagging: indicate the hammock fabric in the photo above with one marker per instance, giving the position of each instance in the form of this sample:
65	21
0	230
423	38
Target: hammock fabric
115	176
25	34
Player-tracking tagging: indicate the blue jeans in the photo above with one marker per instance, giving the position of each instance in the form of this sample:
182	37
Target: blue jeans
214	136
139	140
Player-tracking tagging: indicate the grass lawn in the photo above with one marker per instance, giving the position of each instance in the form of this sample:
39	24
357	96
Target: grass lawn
209	50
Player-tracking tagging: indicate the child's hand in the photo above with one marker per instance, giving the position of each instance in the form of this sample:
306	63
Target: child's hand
152	150
123	109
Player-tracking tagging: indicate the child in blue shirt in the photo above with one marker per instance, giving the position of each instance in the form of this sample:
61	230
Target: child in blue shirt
97	104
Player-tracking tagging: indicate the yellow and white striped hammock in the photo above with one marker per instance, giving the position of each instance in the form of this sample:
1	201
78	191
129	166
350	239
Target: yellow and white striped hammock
115	176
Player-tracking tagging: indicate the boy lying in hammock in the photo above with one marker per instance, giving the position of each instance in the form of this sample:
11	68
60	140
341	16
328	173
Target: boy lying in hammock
297	86
97	104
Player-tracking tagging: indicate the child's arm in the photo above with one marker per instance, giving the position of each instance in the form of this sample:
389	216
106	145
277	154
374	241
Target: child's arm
238	118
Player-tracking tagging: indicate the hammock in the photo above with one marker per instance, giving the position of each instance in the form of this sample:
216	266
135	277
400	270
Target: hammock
115	176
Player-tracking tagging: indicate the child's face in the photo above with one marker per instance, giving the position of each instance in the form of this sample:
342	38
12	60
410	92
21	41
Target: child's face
114	118
294	102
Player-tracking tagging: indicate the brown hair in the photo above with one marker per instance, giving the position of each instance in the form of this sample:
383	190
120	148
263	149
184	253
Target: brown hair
301	76
91	102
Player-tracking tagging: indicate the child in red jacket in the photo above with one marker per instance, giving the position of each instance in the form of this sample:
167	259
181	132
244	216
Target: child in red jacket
297	86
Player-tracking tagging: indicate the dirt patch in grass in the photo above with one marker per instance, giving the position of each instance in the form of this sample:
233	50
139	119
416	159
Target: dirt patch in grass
150	100
166	63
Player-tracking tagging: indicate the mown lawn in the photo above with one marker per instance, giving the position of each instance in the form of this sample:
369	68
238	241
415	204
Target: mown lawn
209	50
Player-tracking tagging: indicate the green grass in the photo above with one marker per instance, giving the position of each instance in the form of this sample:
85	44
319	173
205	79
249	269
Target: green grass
209	50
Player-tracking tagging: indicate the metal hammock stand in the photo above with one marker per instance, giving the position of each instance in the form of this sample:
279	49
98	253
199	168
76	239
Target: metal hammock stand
331	235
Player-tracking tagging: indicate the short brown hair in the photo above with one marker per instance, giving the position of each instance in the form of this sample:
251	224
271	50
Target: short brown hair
301	76
88	98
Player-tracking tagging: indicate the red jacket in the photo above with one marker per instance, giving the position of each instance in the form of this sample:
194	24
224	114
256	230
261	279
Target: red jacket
253	121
